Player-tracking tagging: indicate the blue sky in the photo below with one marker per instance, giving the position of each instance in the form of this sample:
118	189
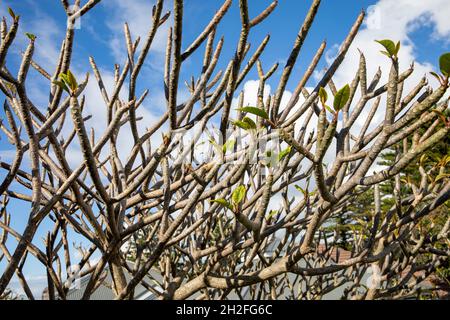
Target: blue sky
423	28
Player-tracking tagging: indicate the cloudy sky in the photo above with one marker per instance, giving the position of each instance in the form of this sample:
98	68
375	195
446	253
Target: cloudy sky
423	27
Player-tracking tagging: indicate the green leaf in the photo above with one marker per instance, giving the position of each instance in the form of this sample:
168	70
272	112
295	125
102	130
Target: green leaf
284	153
256	111
271	214
397	48
61	84
323	95
329	109
238	194
341	98
69	80
441	115
390	46
422	160
251	124
301	190
73	80
241	124
446	160
11	13
246	123
216	146
211	140
65	79
441	176
386	54
30	36
228	145
434	74
269	160
223	203
444	64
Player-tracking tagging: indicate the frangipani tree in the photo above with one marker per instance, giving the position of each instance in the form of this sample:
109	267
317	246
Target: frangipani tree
207	227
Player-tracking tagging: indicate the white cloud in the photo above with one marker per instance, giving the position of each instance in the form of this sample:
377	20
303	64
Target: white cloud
394	20
138	15
250	90
49	38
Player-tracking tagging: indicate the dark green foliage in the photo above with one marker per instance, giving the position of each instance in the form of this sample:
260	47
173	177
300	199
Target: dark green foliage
444	64
437	160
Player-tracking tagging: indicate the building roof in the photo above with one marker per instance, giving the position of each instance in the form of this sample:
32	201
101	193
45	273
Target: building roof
104	290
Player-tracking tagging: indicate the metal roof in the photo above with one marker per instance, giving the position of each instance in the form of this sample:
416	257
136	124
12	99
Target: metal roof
104	290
